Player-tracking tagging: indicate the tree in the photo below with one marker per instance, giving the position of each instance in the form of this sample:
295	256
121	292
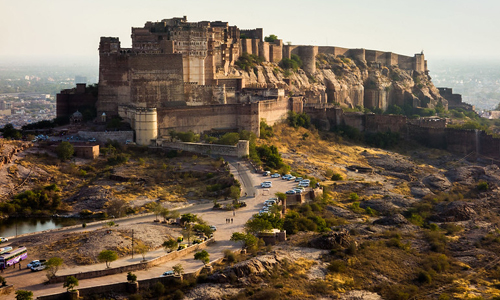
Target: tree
249	240
257	225
203	228
187	232
107	256
203	256
24	295
70	283
271	38
165	213
65	151
188	218
178	269
9	132
157	209
142	249
235	192
170	244
131	277
52	266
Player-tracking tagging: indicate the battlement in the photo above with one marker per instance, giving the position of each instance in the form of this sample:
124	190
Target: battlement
308	56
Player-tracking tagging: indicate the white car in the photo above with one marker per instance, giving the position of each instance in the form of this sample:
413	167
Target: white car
290	192
266	184
266	173
33	263
3	240
213	227
286	176
275	175
291	178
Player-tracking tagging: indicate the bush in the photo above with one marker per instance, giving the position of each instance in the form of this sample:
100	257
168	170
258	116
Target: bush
482	186
337	266
158	289
337	177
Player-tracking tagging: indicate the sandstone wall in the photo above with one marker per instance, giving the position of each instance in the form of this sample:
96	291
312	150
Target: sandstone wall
273	111
103	136
240	150
209	117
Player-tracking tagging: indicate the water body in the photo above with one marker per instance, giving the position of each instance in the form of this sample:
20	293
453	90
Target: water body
17	226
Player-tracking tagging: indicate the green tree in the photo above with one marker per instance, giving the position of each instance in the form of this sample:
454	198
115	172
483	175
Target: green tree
70	283
271	38
9	132
107	256
52	266
65	151
188	232
178	269
24	295
188	218
230	138
256	225
202	256
170	244
142	249
131	277
248	240
235	192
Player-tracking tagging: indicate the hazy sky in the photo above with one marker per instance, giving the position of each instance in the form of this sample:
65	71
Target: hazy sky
32	29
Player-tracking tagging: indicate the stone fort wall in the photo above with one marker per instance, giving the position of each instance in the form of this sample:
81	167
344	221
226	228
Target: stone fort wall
308	56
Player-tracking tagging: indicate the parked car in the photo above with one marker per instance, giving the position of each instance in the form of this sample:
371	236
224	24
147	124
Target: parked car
298	179
35	263
3	240
286	176
38	267
275	175
290	192
182	246
213	227
168	274
291	178
266	184
266	173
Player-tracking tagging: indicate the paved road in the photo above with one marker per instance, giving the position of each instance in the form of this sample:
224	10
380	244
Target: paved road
25	279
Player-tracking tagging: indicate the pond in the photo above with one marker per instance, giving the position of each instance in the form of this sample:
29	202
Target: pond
16	226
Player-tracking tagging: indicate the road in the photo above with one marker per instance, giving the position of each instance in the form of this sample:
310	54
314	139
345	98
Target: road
250	182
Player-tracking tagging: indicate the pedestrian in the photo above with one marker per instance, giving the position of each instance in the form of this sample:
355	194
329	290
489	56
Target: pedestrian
19	265
231	220
234	213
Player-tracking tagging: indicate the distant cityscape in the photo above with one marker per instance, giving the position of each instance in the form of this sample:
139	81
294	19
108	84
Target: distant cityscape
27	94
477	82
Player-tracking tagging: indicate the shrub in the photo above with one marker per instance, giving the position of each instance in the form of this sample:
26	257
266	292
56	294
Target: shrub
424	277
158	289
337	177
482	186
337	266
353	196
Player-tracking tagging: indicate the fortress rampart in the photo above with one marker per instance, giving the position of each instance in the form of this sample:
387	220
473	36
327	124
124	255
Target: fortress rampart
308	56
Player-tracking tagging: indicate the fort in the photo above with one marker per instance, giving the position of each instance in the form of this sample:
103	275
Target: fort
178	75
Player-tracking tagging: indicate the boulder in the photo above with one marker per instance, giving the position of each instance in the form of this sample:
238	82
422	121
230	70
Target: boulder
332	240
341	212
437	182
456	211
360	295
393	220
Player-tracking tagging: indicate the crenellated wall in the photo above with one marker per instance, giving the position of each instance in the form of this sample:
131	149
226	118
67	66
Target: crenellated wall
308	57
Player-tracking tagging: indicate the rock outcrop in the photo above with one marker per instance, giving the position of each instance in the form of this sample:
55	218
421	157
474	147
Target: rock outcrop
349	82
332	240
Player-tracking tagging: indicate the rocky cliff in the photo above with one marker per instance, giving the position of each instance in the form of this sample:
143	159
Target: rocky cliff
349	82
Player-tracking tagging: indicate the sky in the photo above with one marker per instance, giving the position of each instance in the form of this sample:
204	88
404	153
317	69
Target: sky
47	30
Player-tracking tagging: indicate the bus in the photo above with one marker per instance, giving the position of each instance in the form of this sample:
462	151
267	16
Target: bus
5	249
13	257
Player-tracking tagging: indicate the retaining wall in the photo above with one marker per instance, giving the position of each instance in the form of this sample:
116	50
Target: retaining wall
134	267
